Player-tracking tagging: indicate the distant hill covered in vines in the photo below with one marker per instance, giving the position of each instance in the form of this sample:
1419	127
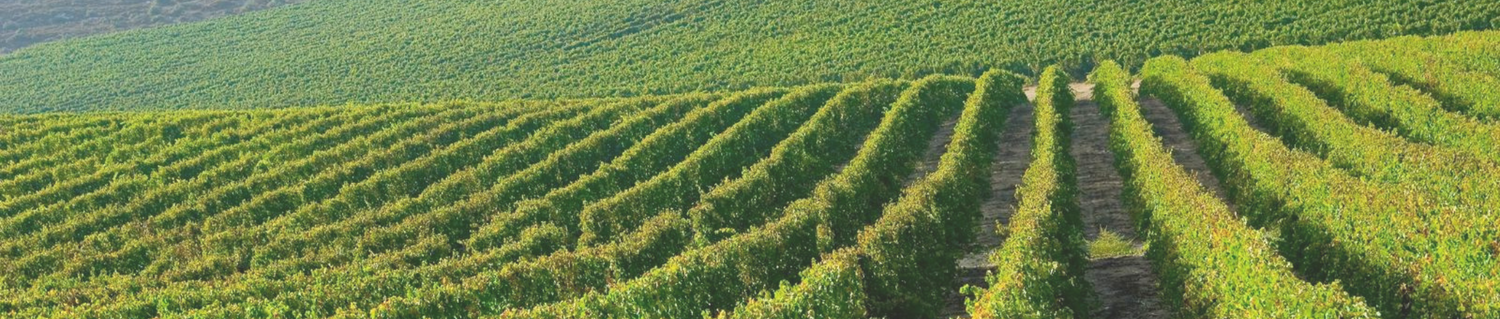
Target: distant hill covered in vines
373	51
25	23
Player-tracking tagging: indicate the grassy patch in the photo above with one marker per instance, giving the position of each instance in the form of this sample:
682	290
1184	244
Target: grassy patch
1111	245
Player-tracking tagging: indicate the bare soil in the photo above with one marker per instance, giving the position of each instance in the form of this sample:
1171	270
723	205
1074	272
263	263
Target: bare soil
1126	286
1011	160
934	153
1184	150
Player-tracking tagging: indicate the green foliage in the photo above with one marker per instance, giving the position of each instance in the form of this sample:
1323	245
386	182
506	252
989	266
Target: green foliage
795	166
1370	97
170	195
722	158
1447	175
1334	226
1421	63
915	244
127	249
1039	267
455	217
910	250
1111	245
702	205
208	269
333	229
652	155
832	288
1211	263
231	162
905	258
557	277
253	229
368	51
1469	50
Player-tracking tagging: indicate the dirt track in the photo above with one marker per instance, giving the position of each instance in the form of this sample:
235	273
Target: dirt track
1011	159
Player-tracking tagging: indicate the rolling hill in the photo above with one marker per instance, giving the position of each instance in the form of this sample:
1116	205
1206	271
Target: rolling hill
24	23
333	52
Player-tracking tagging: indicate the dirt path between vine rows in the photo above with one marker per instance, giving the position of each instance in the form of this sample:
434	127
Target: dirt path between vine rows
1126	286
1011	159
1184	150
934	152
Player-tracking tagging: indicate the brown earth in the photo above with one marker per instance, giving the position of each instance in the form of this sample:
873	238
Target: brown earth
1126	287
1184	150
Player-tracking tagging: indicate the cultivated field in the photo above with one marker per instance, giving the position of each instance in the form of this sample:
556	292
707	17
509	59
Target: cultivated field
331	52
1348	180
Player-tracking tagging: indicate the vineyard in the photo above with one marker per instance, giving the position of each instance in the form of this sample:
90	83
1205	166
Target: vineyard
335	52
1351	180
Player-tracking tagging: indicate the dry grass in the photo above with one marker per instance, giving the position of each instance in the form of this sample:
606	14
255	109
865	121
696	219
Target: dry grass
1112	245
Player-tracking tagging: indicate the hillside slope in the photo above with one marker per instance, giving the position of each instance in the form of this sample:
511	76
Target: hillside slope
367	51
24	23
1349	182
